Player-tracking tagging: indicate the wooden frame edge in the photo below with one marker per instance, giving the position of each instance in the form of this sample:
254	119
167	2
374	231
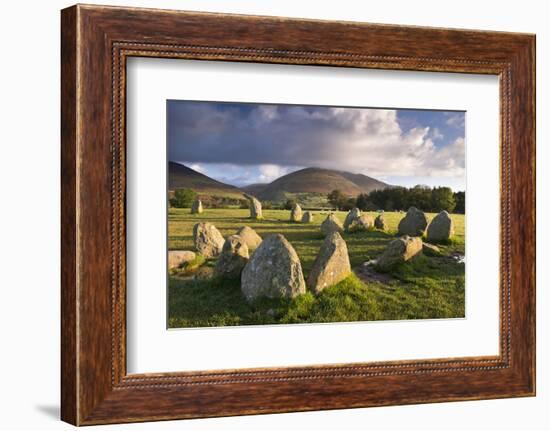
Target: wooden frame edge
69	304
118	390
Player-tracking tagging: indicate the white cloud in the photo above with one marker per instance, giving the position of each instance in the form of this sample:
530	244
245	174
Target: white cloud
368	141
436	134
270	172
455	119
197	167
448	161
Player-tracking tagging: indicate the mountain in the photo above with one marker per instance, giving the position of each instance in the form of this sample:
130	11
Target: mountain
315	180
309	181
180	176
254	189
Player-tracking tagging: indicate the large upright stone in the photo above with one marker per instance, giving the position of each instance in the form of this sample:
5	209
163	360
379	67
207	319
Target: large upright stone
414	223
196	208
207	239
331	224
307	217
398	251
255	207
380	222
250	237
273	271
354	214
233	258
296	213
441	228
331	265
360	224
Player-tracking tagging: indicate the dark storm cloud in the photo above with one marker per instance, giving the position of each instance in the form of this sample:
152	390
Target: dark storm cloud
358	140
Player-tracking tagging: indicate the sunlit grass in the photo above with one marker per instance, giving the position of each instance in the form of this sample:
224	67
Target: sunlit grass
428	287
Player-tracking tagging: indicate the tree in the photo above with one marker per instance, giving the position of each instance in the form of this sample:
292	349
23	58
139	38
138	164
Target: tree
348	204
420	196
337	199
289	204
183	198
362	202
460	199
442	199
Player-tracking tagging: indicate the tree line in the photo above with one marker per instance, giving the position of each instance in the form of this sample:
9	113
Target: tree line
429	199
425	198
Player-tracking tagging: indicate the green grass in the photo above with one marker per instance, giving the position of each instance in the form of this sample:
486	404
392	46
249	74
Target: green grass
428	287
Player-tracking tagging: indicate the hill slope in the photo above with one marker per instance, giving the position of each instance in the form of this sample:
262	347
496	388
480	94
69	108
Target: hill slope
316	180
254	189
180	176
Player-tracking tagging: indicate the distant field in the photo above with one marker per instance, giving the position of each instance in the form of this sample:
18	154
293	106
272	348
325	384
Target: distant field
428	287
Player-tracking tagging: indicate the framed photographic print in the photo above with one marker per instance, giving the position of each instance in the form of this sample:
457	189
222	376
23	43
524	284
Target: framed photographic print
268	215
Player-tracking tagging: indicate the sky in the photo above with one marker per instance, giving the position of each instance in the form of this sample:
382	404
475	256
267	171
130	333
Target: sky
241	144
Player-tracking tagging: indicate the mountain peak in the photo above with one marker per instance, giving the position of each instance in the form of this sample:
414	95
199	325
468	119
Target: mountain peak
182	176
316	180
307	180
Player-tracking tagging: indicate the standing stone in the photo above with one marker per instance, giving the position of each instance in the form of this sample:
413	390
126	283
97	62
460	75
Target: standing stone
399	250
196	208
414	223
380	222
354	214
233	258
255	207
177	258
362	223
307	217
331	265
331	224
273	271
250	237
207	239
441	227
296	213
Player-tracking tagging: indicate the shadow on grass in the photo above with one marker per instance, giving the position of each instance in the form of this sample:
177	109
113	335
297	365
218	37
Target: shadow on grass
194	303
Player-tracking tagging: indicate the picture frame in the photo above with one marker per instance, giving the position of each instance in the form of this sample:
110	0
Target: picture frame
96	42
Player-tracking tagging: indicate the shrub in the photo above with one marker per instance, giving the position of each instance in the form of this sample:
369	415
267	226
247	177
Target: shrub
183	198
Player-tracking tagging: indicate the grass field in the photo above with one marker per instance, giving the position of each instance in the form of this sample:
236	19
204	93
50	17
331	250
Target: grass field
427	287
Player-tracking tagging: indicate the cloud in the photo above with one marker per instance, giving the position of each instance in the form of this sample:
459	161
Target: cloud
455	119
197	167
436	134
277	137
270	172
448	161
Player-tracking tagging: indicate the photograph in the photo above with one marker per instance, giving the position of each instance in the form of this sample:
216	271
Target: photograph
289	214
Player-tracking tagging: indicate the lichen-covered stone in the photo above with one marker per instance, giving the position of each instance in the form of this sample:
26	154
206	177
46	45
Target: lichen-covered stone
331	265
414	223
331	224
207	239
233	258
177	258
307	217
430	249
380	222
273	271
354	214
250	237
196	208
360	224
255	207
441	227
296	213
398	251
